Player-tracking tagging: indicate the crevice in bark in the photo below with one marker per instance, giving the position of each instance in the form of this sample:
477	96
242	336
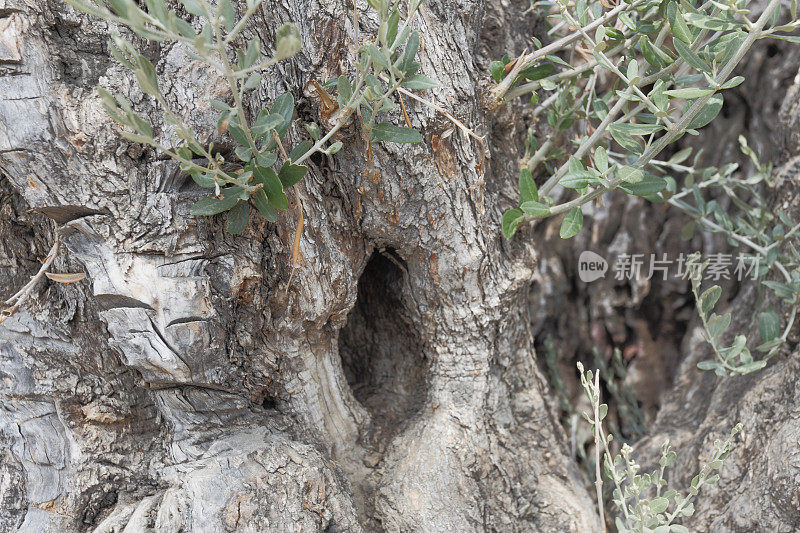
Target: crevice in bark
381	350
98	500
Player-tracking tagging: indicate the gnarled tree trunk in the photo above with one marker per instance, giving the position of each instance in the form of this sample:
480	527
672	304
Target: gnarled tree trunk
188	384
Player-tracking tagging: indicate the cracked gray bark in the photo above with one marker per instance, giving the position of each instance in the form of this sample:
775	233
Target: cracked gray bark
394	384
187	386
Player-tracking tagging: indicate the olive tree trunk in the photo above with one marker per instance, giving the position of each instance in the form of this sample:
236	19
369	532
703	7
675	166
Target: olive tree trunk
192	383
188	385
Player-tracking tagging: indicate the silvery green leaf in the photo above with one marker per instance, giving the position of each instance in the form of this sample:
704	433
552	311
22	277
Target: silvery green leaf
284	106
253	81
238	216
633	70
146	75
334	148
649	185
601	159
265	123
537	72
406	61
709	298
378	56
658	505
527	187
681	156
288	41
630	174
266	159
752	367
718	324
194	7
272	187
299	150
689	92
243	153
730	353
399	134
572	223
213	205
782	290
677	24
262	204
708	112
345	91
535	209
238	135
158	9
709	365
252	54
123	8
313	130
511	220
228	13
733	82
628	142
184	28
700	20
654	54
768	346
291	174
637	129
419	81
391	28
134	137
204	179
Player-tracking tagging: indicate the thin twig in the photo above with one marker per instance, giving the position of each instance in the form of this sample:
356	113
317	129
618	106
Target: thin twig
524	61
598	482
16	301
452	119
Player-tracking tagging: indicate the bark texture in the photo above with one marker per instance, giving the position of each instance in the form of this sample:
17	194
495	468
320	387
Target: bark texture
393	385
186	386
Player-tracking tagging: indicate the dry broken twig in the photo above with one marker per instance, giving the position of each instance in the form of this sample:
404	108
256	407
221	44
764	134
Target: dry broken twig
16	301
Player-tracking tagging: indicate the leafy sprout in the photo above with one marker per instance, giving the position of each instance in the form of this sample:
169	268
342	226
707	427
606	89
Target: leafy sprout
641	75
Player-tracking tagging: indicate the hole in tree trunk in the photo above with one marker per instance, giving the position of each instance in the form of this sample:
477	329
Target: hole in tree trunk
381	351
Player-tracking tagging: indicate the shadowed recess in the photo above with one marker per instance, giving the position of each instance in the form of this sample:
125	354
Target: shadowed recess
381	351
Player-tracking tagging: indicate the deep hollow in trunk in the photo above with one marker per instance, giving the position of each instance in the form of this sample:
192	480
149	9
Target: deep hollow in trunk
381	350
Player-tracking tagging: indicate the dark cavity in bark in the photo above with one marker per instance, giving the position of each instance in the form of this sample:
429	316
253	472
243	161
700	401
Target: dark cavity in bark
381	349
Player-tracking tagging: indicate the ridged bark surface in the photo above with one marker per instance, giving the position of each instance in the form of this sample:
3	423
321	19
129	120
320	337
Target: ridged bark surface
392	385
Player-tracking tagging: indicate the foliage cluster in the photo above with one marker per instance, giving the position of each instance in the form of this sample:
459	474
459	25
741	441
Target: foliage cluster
625	81
644	500
262	169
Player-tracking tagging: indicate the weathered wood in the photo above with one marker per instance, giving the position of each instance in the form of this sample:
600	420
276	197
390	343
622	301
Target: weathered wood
186	385
193	390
